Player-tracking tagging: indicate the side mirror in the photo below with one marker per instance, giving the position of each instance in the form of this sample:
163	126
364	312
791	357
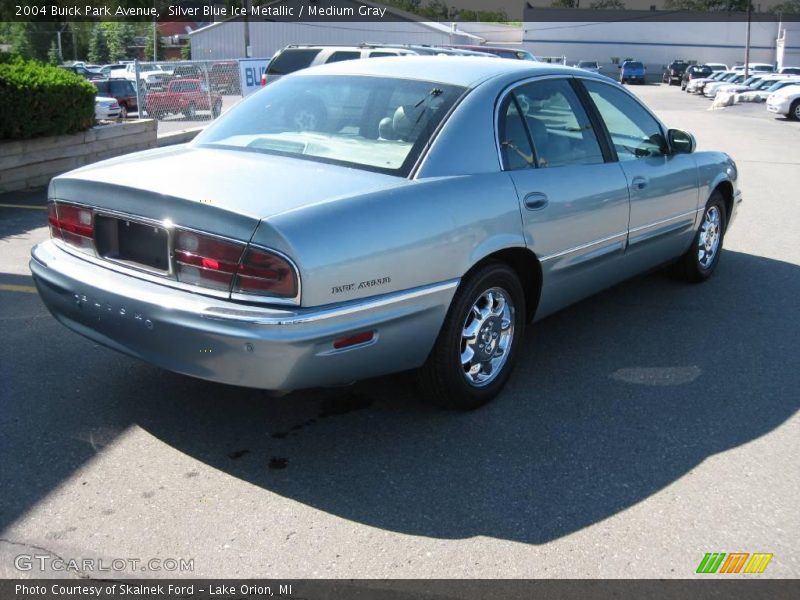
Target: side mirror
681	142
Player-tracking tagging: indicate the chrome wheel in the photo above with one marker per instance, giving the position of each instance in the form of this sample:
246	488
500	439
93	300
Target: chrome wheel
487	336
796	110
709	237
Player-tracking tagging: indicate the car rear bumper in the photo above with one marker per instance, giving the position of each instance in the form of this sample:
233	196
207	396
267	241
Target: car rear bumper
239	344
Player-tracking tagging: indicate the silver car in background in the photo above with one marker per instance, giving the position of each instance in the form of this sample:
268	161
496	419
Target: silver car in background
375	216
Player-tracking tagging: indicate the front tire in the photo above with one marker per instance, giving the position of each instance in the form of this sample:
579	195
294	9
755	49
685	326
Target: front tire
702	258
794	110
477	346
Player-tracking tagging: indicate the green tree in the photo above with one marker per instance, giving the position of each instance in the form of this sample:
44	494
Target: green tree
119	37
148	46
564	4
707	5
52	55
98	45
791	7
186	52
608	5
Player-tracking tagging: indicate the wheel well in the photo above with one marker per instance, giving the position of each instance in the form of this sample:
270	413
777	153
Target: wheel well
527	268
726	189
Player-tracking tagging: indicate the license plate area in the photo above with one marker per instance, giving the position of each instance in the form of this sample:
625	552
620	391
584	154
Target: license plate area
132	243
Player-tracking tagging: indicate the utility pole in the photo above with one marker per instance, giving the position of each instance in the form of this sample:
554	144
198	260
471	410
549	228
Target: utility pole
247	51
747	41
155	35
60	55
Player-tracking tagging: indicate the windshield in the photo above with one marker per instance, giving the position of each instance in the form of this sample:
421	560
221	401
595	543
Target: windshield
375	123
633	65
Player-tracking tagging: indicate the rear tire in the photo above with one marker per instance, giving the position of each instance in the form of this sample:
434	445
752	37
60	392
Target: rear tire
701	259
477	346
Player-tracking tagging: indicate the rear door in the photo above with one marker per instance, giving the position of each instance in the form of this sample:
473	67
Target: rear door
663	186
573	197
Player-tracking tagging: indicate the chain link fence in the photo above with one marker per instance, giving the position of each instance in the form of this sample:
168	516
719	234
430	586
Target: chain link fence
184	94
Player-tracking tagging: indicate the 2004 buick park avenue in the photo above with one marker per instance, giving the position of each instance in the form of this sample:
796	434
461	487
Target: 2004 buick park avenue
354	219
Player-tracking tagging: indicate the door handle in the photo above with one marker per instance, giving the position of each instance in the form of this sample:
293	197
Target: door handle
639	182
536	201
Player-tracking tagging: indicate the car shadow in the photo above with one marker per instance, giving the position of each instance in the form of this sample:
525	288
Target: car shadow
613	399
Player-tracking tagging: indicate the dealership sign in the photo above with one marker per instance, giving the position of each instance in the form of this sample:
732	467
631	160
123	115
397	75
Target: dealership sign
250	71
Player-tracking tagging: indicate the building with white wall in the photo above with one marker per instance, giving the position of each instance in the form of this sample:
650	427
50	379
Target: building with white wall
644	35
226	39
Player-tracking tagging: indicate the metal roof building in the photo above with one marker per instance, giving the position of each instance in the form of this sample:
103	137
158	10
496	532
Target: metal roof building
226	39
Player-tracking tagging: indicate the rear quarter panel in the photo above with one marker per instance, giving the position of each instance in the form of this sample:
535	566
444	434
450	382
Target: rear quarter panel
431	231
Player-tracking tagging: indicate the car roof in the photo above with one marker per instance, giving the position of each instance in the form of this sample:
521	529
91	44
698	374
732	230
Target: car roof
465	71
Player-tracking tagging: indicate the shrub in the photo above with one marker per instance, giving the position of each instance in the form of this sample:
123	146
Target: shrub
38	100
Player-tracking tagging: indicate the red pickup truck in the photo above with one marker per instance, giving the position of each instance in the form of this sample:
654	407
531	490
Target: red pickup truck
185	96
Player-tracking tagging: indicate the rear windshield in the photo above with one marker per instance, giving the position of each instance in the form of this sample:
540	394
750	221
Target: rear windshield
291	60
633	65
374	123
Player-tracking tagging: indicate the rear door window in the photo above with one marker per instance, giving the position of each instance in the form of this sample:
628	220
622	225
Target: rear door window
291	60
341	55
559	127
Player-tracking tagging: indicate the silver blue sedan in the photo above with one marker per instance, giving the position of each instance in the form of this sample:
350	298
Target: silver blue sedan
381	215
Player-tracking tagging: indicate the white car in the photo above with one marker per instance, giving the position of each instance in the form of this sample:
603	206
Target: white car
710	90
765	67
717	66
789	71
786	101
106	108
764	89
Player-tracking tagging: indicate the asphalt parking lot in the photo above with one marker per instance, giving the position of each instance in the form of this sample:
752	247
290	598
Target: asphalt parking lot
642	428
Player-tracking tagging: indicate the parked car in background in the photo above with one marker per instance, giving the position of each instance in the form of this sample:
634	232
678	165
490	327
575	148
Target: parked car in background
113	71
765	88
223	77
673	73
106	108
588	65
763	67
789	71
471	198
717	66
719	77
122	91
83	71
183	96
785	101
515	53
710	89
695	72
632	71
294	58
696	85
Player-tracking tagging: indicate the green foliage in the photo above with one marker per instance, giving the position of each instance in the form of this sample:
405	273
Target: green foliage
148	46
564	4
608	5
791	7
438	10
186	52
53	57
39	100
707	5
98	45
119	37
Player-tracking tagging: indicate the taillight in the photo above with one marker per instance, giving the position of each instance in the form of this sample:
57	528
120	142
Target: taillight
206	261
72	224
263	79
265	273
